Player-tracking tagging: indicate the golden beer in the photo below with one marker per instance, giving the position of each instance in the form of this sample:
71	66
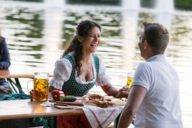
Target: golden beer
41	87
129	79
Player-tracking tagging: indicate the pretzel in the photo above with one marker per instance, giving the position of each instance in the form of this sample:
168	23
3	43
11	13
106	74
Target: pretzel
99	100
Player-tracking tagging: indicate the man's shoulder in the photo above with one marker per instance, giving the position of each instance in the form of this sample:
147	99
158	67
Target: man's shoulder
2	39
145	64
144	67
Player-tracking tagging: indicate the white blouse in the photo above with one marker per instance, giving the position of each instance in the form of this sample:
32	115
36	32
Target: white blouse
63	69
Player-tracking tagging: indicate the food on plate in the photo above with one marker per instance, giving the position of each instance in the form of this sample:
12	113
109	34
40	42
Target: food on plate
95	96
56	94
68	98
99	100
124	99
104	101
120	102
59	95
76	103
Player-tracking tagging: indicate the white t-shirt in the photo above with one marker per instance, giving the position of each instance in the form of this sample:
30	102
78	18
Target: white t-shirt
161	105
63	69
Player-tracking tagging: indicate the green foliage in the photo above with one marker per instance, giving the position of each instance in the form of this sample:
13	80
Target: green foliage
183	4
110	2
30	0
147	3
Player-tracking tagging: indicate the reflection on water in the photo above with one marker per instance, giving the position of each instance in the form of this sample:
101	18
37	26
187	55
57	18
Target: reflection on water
37	36
108	2
25	39
110	48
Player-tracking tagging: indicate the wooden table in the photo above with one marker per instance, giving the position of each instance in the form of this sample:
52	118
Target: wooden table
13	79
9	74
17	109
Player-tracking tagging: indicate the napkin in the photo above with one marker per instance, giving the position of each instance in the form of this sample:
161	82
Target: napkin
101	117
14	96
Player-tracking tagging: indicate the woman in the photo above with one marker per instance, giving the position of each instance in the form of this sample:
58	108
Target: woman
80	69
4	64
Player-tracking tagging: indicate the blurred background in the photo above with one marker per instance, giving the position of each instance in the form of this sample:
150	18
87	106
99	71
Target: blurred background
37	31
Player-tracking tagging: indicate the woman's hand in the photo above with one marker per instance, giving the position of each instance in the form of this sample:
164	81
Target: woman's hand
56	94
123	92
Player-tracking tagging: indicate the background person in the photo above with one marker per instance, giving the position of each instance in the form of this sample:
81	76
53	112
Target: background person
154	96
5	88
4	64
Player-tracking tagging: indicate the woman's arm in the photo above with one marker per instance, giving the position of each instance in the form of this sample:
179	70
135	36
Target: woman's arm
111	91
62	72
103	81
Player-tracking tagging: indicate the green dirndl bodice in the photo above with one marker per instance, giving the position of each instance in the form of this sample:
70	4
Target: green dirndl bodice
72	87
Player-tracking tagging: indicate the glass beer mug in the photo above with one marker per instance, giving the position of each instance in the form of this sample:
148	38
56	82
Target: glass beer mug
41	86
129	79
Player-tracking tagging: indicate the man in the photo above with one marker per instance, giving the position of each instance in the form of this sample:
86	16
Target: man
154	96
4	64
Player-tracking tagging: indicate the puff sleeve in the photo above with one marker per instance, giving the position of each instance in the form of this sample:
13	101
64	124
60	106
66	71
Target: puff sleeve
62	73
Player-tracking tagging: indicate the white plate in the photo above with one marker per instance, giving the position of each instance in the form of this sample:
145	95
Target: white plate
67	107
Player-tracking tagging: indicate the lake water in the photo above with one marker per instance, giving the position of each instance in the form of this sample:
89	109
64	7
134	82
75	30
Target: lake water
37	33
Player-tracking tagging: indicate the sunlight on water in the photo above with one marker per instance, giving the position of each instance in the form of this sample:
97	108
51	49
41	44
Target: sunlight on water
37	34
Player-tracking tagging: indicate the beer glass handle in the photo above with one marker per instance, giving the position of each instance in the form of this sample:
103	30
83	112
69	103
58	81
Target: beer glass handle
30	90
28	83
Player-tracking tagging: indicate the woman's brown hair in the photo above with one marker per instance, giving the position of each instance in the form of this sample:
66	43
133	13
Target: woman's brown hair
82	30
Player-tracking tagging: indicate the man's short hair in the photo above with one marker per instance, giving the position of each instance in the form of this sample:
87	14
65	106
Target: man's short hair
157	37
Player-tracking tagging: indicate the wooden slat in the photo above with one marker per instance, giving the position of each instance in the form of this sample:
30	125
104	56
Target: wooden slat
9	74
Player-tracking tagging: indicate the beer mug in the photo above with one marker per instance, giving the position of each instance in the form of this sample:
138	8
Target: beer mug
130	79
40	87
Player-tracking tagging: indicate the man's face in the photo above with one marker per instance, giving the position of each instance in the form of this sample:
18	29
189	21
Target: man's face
141	44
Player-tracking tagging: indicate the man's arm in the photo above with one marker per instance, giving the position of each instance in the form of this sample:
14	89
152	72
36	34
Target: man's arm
136	96
4	53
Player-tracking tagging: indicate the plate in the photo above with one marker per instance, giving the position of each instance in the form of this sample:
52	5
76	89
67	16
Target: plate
67	107
104	101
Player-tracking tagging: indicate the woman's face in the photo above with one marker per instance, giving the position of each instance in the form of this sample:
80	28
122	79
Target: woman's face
92	40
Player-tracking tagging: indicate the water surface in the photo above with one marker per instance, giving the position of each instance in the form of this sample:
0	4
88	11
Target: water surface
38	32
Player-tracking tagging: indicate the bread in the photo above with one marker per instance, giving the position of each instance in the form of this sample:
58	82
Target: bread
99	100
